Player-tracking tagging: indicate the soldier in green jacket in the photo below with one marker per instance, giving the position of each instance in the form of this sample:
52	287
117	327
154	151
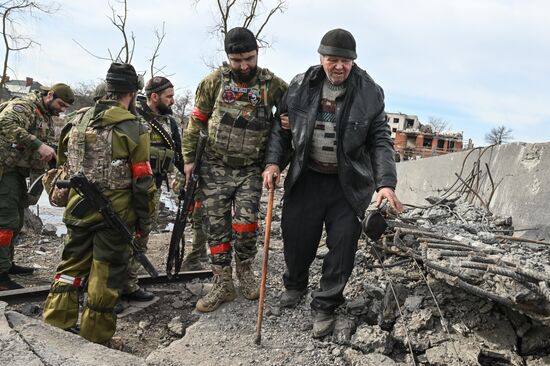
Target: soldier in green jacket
26	129
234	104
111	147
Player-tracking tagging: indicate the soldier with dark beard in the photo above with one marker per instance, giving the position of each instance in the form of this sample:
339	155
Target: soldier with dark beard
26	128
165	154
234	105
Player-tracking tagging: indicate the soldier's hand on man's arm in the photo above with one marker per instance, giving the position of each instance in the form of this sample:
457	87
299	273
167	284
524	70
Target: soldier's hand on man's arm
188	169
285	124
389	194
46	152
270	172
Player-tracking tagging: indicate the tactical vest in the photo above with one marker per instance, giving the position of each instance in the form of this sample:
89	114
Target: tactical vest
240	122
14	155
161	156
90	151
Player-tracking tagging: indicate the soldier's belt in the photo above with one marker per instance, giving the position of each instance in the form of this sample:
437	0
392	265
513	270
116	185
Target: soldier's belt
235	162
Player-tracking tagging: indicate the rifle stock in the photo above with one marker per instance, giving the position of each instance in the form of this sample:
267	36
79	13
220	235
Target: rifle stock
186	197
95	199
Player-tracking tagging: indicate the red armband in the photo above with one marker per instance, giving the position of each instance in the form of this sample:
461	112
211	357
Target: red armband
220	248
141	169
198	114
245	228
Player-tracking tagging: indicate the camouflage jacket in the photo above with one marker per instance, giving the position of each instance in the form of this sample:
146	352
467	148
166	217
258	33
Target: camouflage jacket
236	116
123	170
24	125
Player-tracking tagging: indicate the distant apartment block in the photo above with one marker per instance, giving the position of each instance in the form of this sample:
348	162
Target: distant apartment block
413	140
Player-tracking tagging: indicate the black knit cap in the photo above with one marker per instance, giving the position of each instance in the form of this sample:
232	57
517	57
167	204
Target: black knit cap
240	40
121	78
157	85
338	42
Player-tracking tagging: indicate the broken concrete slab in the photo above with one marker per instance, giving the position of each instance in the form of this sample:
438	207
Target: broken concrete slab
372	339
132	307
497	334
519	168
14	349
357	358
26	341
454	353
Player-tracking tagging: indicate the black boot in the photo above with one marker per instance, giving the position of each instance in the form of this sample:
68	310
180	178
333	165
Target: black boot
7	284
20	270
139	295
323	323
291	298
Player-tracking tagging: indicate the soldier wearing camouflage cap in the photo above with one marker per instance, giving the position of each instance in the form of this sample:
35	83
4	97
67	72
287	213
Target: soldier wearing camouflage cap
234	104
26	128
109	145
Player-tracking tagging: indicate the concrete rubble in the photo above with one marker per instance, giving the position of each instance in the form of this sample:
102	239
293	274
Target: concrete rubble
29	342
445	284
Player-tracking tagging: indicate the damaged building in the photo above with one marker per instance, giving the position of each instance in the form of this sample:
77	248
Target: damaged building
413	140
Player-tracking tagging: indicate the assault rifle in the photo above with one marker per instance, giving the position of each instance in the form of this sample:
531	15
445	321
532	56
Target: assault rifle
186	203
93	198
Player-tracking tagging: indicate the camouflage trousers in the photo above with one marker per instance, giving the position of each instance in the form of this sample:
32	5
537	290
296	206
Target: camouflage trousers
13	200
102	256
231	199
133	264
198	249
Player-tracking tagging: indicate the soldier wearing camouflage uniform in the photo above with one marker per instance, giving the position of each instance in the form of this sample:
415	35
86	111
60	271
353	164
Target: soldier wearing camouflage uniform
26	127
165	154
111	147
234	104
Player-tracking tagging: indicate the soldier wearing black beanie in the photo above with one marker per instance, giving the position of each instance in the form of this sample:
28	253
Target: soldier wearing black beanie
235	105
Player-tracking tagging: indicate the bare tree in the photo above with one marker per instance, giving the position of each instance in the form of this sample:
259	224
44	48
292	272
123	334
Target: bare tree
13	40
160	38
84	94
119	20
499	135
182	103
438	124
251	14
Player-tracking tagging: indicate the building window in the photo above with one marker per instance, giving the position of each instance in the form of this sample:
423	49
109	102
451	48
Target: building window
427	142
409	123
440	144
451	146
396	120
394	129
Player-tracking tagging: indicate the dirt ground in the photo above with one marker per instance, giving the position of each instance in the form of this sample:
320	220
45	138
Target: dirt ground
468	330
142	332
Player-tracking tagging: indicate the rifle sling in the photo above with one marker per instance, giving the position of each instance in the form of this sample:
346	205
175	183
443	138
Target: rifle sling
155	125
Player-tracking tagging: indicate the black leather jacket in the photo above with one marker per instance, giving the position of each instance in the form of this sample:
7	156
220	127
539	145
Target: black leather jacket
364	147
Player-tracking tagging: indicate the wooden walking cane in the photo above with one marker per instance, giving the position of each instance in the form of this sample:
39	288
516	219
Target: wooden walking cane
271	194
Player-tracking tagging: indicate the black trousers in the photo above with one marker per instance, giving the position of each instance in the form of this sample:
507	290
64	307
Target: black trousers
318	199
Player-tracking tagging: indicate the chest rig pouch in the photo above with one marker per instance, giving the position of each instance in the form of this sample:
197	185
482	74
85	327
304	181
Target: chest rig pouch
241	122
90	151
162	149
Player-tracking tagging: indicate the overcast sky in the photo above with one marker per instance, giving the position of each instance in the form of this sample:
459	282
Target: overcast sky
475	63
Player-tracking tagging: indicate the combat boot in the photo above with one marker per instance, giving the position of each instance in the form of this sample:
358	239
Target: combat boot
20	270
248	281
191	265
222	290
7	284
